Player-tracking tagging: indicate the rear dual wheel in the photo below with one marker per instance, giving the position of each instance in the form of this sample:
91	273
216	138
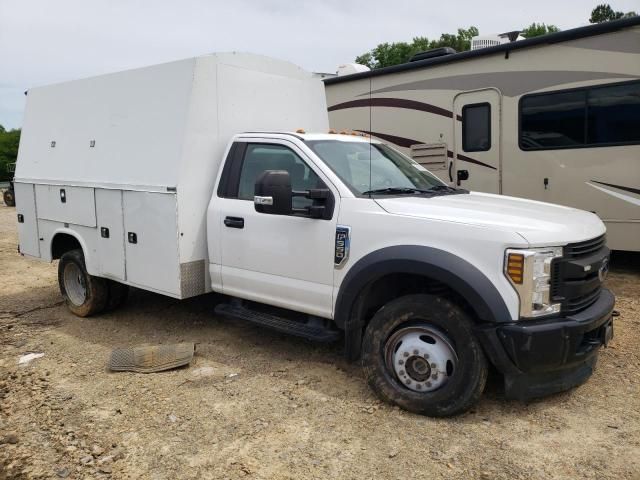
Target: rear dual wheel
85	294
420	353
9	198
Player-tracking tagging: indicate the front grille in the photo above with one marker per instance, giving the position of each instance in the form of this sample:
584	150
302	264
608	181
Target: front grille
574	277
577	304
581	249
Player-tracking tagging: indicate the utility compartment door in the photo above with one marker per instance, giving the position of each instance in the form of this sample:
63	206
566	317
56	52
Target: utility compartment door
61	203
111	233
477	141
151	241
27	221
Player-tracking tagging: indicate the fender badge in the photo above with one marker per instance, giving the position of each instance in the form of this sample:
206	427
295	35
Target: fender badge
343	242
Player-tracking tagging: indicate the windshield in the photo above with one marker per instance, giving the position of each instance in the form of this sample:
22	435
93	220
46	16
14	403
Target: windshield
371	168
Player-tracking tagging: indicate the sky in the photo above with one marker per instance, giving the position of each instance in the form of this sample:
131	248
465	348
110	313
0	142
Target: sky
49	41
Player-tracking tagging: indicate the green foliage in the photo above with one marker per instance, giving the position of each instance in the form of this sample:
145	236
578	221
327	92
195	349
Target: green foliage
537	29
387	54
9	141
604	13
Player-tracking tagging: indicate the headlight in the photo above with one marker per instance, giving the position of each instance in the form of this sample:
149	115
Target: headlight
529	271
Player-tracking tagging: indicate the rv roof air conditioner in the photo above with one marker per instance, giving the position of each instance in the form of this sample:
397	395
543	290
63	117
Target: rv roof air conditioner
484	41
433	53
351	68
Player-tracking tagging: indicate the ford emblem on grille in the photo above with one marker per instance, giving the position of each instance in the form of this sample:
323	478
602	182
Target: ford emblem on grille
603	270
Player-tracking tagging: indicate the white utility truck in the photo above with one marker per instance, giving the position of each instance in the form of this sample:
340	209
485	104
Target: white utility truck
183	179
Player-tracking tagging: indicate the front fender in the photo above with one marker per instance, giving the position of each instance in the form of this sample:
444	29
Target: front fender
453	271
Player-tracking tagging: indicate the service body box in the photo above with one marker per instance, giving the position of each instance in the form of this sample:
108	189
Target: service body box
126	162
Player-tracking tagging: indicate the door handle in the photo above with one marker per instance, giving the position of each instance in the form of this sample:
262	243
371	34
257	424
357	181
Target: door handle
450	166
234	222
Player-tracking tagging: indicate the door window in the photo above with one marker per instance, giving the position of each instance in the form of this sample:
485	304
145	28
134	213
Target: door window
476	127
261	157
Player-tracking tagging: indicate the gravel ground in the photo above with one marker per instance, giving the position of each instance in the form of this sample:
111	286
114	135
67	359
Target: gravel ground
256	404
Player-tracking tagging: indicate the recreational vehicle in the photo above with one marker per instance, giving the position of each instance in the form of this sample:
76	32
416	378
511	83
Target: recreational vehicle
187	178
554	118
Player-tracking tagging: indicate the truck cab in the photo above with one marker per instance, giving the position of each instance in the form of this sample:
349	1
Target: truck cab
429	283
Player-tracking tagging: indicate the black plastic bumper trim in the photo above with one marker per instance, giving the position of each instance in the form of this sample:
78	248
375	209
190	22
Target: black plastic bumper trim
544	356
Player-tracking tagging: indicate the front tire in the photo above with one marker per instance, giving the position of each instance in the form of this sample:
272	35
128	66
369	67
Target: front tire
84	294
419	352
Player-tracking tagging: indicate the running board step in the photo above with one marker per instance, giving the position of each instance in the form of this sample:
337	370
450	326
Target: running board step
284	325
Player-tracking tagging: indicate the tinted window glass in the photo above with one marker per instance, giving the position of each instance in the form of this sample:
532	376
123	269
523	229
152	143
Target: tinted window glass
554	120
586	117
613	115
261	157
476	127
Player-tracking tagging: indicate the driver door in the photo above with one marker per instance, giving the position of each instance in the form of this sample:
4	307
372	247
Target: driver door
282	260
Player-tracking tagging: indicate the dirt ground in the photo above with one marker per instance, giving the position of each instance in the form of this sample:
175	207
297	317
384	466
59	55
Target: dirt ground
257	404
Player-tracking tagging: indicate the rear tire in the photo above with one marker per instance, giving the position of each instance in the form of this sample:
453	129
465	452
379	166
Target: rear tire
419	352
84	294
9	198
118	294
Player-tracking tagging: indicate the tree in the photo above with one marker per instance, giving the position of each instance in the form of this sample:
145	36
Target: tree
537	29
387	54
604	13
9	141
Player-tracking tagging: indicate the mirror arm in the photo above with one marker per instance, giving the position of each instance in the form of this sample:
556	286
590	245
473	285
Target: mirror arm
313	194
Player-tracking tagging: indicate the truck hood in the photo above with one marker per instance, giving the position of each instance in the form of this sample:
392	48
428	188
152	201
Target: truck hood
541	224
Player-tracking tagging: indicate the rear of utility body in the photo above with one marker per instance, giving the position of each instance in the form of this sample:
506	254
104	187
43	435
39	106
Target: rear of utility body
151	189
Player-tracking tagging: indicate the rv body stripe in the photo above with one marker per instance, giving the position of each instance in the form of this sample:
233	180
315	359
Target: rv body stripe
619	187
407	142
621	196
464	158
400	141
394	103
510	84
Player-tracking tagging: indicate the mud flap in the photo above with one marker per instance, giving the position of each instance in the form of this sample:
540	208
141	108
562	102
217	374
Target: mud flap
150	359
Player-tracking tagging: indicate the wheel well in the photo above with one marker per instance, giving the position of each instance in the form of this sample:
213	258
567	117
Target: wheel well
389	287
63	243
383	290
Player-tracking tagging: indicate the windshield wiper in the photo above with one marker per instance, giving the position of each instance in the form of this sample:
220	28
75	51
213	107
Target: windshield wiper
443	188
395	191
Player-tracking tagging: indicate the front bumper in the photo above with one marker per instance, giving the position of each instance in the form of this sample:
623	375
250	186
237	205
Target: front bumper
540	357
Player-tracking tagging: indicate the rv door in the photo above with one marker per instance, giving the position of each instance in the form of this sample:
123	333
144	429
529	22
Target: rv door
476	157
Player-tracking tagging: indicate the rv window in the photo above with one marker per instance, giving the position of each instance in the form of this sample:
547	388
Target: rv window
584	117
614	114
551	121
476	127
261	157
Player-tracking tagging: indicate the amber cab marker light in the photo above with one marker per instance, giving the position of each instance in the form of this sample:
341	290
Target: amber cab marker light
332	130
300	130
515	267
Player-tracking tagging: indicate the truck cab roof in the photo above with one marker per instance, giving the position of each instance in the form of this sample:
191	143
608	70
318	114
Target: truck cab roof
355	137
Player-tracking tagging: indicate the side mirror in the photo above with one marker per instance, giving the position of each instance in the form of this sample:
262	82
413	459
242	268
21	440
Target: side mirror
273	193
462	175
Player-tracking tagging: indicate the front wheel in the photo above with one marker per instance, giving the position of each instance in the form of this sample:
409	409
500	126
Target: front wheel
84	294
419	352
